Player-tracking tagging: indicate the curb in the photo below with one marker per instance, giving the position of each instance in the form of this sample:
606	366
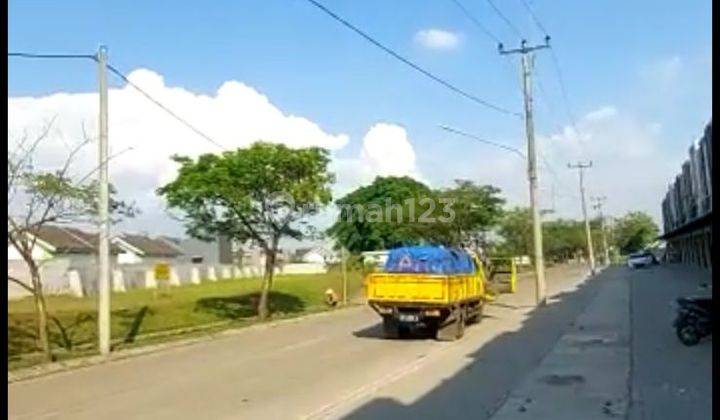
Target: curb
24	374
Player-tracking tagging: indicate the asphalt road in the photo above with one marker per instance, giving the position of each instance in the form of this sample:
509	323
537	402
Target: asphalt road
329	366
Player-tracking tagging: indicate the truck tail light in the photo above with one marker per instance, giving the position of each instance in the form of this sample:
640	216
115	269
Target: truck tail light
432	312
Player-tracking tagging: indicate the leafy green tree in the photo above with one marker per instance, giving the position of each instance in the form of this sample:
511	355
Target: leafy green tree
562	239
261	194
476	209
384	214
633	232
515	228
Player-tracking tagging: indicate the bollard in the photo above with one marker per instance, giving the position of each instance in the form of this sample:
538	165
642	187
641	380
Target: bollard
174	278
118	281
195	275
75	283
150	282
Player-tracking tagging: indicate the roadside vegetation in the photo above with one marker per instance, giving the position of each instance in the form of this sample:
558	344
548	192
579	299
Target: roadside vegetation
141	316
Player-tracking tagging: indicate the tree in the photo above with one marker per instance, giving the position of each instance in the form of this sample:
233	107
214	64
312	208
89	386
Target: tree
633	232
384	214
476	209
41	197
260	194
563	239
515	227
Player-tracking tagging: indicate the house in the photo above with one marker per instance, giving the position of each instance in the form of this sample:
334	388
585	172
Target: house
220	251
142	249
59	251
375	259
316	255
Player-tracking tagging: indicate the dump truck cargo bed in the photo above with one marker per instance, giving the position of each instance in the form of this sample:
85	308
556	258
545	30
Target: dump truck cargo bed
411	288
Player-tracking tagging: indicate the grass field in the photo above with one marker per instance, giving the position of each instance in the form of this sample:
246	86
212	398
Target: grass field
142	315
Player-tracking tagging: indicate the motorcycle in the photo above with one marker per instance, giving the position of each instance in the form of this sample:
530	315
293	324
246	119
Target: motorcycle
694	319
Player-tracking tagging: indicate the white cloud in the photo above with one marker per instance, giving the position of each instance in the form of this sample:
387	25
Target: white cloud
629	165
437	39
386	151
235	116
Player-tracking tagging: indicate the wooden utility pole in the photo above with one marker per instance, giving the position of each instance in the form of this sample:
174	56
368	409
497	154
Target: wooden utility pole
527	62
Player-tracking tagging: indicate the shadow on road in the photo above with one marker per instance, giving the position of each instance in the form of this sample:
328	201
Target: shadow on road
479	389
376	332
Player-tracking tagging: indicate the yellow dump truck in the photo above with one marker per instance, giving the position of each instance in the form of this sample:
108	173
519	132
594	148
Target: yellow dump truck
443	302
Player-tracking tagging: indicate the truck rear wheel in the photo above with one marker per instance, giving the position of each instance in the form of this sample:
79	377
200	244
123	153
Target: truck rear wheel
453	330
391	328
476	314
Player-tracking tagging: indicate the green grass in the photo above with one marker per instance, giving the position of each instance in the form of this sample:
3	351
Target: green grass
141	316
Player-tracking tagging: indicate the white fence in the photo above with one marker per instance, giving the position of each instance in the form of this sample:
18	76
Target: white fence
61	277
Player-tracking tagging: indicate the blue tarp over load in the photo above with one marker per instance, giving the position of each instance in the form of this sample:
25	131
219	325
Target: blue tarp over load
429	259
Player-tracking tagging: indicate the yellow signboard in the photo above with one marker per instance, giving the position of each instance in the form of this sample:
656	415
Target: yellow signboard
162	271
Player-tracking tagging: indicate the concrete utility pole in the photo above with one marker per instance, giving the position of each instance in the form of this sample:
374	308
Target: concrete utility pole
527	62
599	201
580	167
104	234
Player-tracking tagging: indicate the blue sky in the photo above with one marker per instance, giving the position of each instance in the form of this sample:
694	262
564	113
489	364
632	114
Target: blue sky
648	60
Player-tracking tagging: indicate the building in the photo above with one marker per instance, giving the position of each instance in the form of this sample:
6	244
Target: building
59	250
375	259
316	255
687	207
142	249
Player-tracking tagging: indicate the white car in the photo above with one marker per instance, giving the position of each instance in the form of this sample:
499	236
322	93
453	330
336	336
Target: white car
641	259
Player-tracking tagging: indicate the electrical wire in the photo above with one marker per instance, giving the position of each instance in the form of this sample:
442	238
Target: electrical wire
477	23
119	74
410	63
563	90
492	36
126	80
59	56
502	16
534	17
492	143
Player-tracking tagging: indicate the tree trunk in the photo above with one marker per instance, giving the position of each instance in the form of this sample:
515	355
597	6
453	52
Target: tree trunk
40	313
267	281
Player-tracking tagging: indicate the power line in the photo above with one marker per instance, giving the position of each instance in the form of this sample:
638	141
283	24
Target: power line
124	78
556	65
464	134
476	21
487	32
58	56
410	63
119	74
502	16
534	17
555	175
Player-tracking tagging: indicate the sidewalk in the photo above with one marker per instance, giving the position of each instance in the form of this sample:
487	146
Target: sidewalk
586	374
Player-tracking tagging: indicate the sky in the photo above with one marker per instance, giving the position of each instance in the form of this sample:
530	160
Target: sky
637	78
